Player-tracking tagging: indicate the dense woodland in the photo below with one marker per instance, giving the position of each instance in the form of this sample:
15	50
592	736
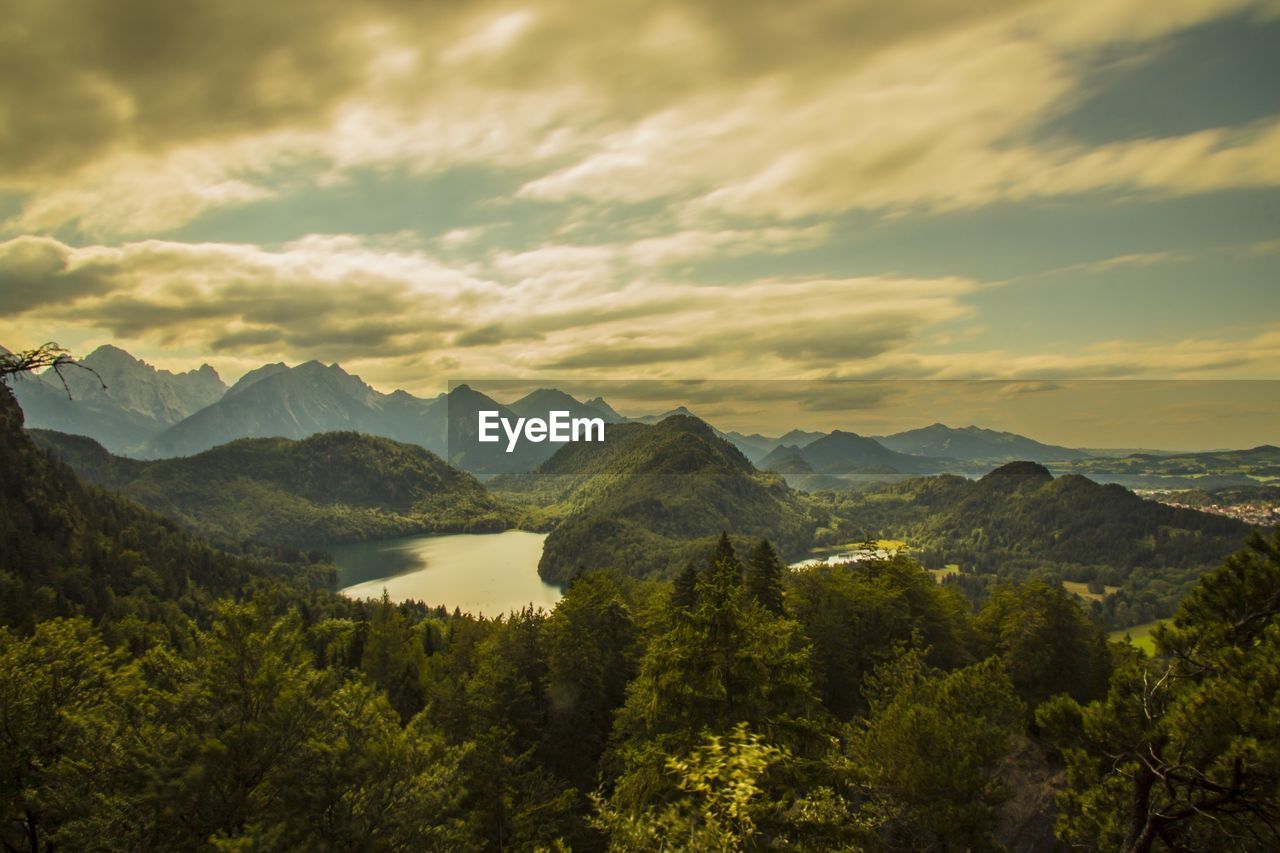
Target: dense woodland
159	693
1019	522
328	488
649	497
652	497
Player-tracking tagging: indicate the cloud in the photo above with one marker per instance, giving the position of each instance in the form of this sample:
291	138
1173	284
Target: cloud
1229	356
607	357
699	244
34	273
938	126
135	120
374	303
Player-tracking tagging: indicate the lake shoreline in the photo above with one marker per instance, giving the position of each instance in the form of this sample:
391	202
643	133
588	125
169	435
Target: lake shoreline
481	573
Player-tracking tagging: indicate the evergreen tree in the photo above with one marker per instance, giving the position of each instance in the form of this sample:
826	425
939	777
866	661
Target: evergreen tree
931	751
717	664
724	555
1184	751
684	589
858	617
764	577
592	648
1048	644
394	657
62	701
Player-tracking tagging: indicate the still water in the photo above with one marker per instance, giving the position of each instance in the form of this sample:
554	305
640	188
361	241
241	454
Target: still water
489	573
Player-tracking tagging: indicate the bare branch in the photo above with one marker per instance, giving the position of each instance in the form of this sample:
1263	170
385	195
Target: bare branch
46	356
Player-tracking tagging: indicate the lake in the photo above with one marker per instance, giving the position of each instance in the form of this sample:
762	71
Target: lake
489	573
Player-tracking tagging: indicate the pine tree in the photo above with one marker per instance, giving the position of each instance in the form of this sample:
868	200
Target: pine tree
764	577
684	594
1183	751
724	556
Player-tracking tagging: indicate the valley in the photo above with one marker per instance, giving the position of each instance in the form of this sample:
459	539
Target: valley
576	615
315	458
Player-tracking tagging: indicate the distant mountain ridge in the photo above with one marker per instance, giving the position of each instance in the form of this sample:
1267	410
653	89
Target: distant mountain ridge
1255	466
150	413
756	447
972	444
545	400
276	401
137	403
841	452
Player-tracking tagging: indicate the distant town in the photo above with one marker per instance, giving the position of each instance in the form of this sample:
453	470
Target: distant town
1259	513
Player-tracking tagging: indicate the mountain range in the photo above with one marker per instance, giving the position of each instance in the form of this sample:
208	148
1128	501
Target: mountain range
295	402
119	400
841	453
974	444
756	447
147	413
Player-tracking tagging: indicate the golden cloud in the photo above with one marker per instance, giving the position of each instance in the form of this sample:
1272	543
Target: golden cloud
138	118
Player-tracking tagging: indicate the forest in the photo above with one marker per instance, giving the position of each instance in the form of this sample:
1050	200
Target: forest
159	693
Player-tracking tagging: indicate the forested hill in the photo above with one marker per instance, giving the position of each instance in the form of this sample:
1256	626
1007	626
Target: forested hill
67	548
331	487
647	497
1019	515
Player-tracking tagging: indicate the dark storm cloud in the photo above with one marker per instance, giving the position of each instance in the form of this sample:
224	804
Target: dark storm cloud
34	273
79	78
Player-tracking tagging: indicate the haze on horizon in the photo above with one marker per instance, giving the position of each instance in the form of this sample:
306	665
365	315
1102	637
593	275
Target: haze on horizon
1026	190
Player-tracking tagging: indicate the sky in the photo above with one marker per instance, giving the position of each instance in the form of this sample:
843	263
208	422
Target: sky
815	190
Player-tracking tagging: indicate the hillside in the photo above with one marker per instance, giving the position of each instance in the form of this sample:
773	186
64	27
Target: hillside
843	454
974	444
67	548
137	403
1207	470
786	459
332	487
1020	517
649	496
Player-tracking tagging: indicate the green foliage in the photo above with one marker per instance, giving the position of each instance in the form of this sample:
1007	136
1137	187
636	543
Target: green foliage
244	744
1019	522
648	498
61	698
1047	643
331	487
931	750
718	804
68	549
394	658
764	577
857	616
721	662
1184	750
593	646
